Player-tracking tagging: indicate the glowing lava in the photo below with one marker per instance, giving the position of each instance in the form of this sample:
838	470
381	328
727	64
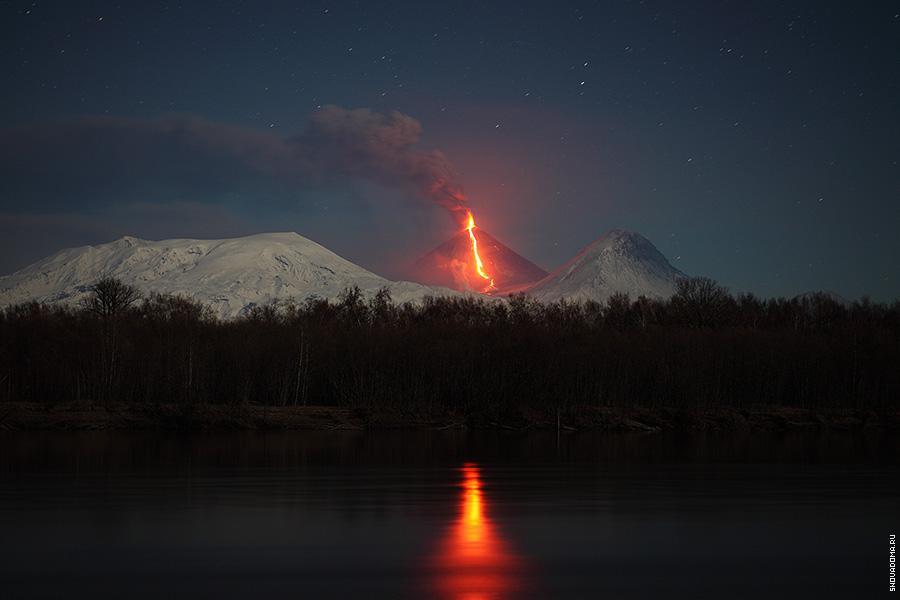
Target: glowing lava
479	265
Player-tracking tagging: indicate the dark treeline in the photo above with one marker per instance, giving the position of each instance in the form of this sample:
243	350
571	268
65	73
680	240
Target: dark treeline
461	356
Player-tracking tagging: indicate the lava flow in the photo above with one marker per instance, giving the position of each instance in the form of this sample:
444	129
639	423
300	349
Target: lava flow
479	265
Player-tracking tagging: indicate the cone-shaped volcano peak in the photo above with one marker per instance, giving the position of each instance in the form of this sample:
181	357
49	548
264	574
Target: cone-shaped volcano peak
622	262
452	264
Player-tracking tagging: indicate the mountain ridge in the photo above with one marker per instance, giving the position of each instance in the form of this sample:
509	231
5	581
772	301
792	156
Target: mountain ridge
230	274
234	274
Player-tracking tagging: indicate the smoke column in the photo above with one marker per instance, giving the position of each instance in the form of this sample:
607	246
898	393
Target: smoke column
379	147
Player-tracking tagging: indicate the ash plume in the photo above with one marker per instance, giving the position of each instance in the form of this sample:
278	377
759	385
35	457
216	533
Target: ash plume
116	155
379	147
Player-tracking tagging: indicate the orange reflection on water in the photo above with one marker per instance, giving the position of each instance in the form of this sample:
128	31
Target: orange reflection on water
473	561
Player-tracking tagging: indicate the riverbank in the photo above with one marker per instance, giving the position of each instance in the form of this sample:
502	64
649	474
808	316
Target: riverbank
21	416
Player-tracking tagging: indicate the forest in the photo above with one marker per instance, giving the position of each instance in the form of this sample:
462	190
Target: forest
477	358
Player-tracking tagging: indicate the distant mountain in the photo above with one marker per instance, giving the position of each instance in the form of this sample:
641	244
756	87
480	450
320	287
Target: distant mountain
452	265
231	275
619	262
823	295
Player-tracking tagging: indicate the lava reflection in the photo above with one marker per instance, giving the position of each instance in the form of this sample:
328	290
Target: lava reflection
473	560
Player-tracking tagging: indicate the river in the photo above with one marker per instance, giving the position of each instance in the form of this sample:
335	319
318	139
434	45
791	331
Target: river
452	514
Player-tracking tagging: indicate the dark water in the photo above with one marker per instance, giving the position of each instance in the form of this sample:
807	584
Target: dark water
445	515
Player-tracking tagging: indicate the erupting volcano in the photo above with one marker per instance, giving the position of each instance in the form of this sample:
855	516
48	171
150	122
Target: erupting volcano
474	260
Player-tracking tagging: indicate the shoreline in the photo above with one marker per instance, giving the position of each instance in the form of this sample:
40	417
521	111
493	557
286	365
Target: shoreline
24	416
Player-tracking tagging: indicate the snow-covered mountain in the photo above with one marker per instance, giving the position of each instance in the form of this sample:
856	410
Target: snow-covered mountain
619	262
230	275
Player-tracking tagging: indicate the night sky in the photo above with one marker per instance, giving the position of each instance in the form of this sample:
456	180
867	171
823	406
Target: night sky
757	143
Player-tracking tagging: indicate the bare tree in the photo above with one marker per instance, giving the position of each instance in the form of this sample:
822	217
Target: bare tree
700	301
110	297
618	311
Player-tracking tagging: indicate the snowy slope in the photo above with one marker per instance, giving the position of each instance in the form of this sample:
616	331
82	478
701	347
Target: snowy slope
230	274
619	262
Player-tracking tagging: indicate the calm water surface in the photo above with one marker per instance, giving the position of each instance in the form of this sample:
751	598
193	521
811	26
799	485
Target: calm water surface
445	515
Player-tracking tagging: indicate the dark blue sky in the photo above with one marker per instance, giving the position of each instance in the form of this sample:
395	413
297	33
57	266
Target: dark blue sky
756	143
